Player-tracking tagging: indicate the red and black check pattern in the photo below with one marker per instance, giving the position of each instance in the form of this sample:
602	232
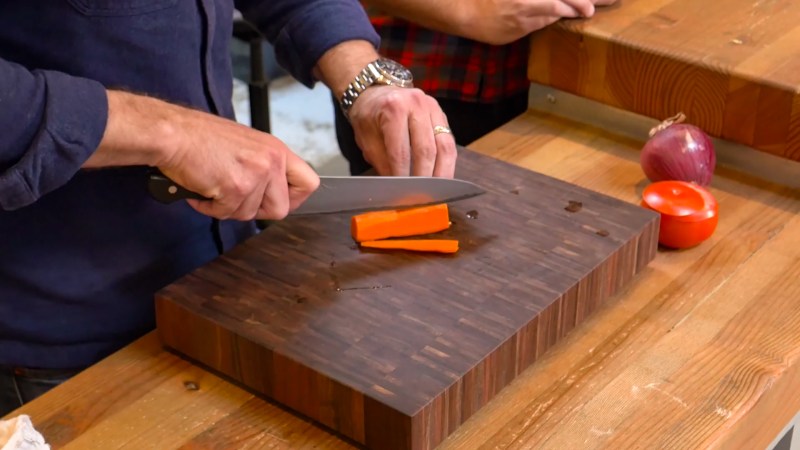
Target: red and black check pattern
446	66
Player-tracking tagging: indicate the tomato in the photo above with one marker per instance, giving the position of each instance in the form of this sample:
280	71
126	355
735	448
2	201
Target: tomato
689	212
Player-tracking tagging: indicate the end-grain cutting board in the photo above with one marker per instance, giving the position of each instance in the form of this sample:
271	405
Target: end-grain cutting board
395	350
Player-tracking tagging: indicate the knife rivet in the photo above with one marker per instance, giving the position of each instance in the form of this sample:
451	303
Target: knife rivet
173	189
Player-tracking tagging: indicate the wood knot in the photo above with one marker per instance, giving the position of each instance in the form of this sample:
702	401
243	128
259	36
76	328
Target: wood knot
573	206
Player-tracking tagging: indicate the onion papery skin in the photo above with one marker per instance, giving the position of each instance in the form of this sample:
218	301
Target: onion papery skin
681	152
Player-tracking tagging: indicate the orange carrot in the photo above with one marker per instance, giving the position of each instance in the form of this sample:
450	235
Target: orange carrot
376	225
415	245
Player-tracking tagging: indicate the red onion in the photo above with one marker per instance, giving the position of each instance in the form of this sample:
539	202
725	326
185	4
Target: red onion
678	151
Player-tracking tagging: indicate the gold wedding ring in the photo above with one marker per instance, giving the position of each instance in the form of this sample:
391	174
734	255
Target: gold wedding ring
439	129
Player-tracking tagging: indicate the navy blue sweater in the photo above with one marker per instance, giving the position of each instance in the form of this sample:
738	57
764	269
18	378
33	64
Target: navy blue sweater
82	252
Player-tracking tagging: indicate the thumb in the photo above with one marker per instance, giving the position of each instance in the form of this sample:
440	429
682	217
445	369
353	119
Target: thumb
302	180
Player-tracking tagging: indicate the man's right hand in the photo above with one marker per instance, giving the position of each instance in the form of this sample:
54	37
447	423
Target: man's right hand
246	173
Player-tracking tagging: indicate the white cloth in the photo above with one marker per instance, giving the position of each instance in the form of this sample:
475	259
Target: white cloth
18	434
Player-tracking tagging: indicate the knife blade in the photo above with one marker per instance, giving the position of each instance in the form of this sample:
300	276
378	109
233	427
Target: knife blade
338	194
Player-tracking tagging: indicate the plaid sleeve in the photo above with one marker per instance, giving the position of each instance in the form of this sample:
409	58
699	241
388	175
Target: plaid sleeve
453	67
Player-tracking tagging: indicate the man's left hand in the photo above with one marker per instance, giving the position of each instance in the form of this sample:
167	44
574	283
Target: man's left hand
403	131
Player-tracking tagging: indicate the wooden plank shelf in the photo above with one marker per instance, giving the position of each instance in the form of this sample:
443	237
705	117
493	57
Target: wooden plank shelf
733	66
396	350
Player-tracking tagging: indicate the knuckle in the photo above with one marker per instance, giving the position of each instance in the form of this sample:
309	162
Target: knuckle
278	212
248	212
451	150
430	101
398	155
448	146
448	153
450	156
276	161
393	104
283	211
243	216
419	93
402	97
222	213
265	163
426	151
313	184
241	186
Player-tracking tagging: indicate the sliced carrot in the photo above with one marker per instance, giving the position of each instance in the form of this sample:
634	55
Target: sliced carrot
376	225
415	245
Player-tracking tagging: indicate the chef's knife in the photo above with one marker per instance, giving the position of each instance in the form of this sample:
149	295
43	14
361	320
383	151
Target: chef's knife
351	194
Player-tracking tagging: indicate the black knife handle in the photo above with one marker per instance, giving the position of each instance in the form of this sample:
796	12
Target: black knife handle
167	191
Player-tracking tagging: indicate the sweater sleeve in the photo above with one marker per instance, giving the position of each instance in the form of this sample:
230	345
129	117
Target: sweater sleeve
302	31
50	123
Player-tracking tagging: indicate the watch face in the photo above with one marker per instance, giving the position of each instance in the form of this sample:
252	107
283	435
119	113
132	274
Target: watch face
395	71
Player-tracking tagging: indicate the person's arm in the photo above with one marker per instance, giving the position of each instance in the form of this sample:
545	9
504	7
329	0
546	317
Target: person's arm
247	173
50	123
392	125
491	21
302	31
332	41
53	125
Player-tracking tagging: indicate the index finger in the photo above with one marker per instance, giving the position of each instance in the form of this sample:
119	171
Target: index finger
584	7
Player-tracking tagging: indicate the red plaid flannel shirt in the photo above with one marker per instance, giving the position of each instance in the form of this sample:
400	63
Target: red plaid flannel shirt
447	66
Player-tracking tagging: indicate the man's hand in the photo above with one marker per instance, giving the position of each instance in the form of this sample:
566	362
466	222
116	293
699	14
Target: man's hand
247	174
395	128
393	125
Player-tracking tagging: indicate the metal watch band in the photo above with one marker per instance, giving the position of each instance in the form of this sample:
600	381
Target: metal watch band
363	80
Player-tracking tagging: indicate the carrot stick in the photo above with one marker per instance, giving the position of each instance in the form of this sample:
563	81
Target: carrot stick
376	225
415	245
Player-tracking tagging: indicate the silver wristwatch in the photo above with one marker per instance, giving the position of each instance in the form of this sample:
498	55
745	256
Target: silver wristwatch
381	71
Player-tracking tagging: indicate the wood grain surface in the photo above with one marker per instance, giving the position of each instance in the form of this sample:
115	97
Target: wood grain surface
700	350
732	66
397	349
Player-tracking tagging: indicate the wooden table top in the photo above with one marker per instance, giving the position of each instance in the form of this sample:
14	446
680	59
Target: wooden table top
700	350
733	66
